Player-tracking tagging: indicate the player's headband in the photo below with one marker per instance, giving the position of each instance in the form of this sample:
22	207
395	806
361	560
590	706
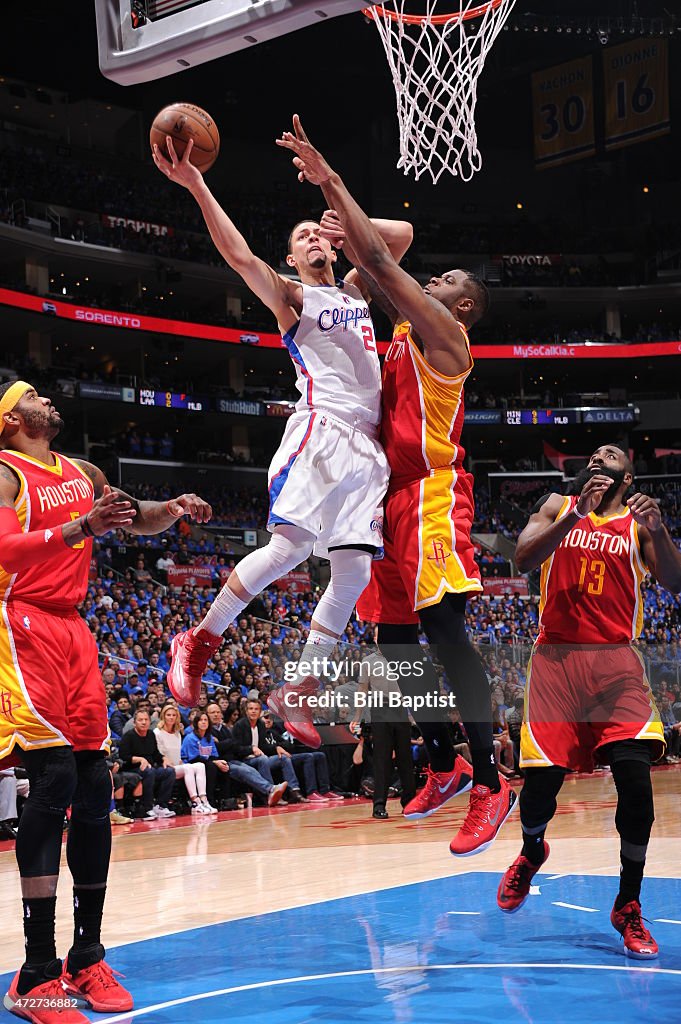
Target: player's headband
10	399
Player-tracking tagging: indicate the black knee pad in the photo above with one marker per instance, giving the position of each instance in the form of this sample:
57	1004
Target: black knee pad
538	796
52	778
92	798
635	807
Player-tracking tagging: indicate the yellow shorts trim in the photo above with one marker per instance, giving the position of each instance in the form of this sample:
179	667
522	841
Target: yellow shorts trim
440	568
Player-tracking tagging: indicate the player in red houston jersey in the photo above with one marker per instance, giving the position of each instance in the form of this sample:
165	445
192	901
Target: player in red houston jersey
429	567
52	708
586	695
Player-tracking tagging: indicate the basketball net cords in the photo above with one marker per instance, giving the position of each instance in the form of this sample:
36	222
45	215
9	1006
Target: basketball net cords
435	71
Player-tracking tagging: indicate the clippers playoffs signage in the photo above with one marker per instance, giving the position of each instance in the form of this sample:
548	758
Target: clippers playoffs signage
190	576
500	586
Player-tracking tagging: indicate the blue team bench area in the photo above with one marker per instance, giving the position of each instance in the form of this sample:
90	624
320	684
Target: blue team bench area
436	952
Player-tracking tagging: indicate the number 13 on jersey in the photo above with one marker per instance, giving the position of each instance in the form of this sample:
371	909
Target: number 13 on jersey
591	577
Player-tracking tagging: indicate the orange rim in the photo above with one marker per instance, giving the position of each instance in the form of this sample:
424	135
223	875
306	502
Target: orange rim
439	19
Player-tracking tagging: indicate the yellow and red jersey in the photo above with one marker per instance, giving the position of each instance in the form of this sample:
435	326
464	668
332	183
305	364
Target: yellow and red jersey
591	584
48	497
423	411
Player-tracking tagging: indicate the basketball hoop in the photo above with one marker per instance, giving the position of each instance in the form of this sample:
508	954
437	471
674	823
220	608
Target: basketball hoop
435	61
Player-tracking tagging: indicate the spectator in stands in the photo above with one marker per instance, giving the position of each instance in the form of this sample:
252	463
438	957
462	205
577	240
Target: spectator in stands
458	735
503	747
142	574
139	752
142	703
217	723
198	747
265	755
314	765
234	753
672	729
125	784
8	803
169	739
514	720
164	562
121	715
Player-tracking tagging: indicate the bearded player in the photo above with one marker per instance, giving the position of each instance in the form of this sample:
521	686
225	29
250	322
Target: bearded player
429	566
53	714
329	475
587	698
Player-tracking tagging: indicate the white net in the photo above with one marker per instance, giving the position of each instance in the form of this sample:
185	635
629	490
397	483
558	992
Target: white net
436	61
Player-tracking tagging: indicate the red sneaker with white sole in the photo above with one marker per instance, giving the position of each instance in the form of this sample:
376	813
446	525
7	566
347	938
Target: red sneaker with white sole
638	942
97	985
301	725
514	887
487	812
45	1003
439	788
190	654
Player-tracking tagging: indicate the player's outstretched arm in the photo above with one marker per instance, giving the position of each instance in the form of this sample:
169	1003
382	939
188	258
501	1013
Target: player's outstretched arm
442	338
660	553
151	517
276	292
398	236
20	551
543	533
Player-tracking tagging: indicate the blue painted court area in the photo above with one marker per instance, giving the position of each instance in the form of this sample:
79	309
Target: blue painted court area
434	952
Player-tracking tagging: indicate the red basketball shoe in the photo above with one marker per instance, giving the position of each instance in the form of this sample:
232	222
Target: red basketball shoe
439	788
638	942
97	985
190	654
487	812
301	726
514	887
46	1003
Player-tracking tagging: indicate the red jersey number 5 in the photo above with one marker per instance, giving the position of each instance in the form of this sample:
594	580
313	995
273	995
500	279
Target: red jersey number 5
368	338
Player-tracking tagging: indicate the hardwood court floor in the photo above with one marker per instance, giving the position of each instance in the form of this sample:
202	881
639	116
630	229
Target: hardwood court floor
169	876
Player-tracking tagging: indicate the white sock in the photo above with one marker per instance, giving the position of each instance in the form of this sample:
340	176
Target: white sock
317	647
222	612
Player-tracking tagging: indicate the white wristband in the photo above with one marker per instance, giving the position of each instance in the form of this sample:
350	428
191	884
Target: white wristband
579	514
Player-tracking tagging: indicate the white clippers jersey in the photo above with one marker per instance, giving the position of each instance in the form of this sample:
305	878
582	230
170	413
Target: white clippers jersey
334	351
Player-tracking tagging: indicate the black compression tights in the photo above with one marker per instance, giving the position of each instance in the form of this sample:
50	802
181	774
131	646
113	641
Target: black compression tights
445	627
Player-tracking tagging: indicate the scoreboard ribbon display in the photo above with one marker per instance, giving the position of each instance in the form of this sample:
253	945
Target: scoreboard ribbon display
562	105
636	84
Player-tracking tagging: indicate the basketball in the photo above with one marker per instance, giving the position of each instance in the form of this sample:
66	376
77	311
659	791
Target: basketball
184	121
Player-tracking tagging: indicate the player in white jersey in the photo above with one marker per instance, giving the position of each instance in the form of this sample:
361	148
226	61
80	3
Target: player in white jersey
328	478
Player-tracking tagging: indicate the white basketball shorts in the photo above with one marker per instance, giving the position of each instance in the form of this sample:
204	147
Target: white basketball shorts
330	479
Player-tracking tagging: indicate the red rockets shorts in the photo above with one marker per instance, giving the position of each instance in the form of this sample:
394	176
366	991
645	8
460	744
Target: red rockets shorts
51	690
579	699
428	548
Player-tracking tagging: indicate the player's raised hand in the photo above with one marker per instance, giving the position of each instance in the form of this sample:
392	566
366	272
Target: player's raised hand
645	511
191	505
182	172
311	164
332	229
592	493
110	512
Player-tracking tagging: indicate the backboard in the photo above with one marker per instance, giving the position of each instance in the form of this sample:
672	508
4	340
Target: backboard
141	40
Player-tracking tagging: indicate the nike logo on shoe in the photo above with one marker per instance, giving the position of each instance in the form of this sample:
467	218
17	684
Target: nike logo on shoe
494	820
443	789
